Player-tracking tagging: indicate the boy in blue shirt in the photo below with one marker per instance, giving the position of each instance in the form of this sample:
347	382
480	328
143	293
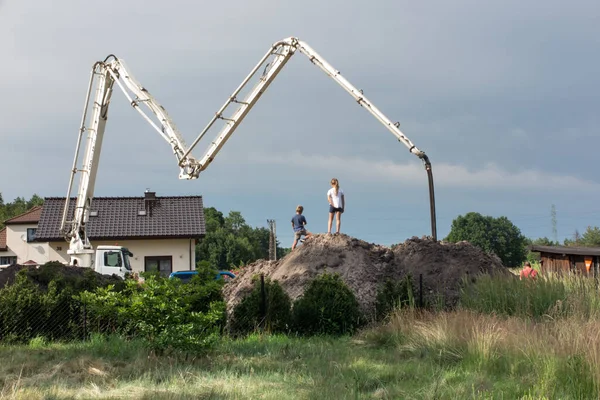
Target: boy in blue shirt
298	222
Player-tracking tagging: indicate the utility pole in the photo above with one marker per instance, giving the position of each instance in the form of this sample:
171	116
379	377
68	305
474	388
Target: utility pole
272	240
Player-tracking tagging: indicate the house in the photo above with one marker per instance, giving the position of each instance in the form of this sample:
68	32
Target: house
567	259
17	239
161	232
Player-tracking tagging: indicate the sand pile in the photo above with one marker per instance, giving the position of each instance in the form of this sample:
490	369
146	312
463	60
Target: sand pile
365	266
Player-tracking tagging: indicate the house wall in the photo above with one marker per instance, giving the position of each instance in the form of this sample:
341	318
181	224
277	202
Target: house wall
178	249
16	241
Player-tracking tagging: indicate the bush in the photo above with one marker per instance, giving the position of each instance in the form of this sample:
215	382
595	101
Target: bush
168	314
327	307
393	295
28	311
248	315
40	302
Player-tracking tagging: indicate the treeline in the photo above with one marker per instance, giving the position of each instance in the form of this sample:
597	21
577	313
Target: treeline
589	238
502	237
230	242
17	206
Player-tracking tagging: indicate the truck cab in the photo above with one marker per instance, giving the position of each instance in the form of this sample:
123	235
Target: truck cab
113	260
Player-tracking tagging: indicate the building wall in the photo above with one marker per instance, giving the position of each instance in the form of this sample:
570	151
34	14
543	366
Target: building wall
182	251
178	249
555	263
564	264
16	241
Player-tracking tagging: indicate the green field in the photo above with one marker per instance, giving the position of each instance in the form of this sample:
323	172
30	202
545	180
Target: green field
508	340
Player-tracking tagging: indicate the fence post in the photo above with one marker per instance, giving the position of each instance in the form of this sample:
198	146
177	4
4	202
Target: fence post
421	290
263	297
84	322
596	265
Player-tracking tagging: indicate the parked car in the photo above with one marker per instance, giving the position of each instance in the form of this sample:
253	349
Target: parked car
186	276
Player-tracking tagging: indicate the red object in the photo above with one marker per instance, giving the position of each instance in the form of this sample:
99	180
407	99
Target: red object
529	272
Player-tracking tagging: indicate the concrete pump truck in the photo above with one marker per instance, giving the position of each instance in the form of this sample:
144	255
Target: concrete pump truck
115	259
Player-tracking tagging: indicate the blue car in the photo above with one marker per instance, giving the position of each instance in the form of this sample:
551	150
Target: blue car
186	276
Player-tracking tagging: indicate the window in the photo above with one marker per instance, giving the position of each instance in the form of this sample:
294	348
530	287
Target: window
163	264
112	259
8	260
31	234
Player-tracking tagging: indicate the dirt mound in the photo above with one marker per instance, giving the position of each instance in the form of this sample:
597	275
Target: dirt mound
365	267
8	274
43	274
443	265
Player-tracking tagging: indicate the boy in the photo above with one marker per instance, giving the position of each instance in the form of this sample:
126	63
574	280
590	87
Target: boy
298	222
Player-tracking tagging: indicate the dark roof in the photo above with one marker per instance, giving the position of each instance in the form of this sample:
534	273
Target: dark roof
118	219
580	251
3	245
29	217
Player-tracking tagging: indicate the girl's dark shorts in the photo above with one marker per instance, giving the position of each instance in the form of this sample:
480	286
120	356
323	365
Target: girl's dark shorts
333	209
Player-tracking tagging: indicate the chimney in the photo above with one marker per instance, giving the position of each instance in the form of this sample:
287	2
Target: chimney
148	195
149	201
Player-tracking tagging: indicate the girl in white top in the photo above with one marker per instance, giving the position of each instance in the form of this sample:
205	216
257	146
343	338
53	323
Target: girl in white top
337	202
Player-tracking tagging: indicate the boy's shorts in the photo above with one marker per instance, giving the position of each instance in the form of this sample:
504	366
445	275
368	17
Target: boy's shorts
298	234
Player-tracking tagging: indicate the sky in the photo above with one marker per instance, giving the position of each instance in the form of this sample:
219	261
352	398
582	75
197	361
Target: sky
502	96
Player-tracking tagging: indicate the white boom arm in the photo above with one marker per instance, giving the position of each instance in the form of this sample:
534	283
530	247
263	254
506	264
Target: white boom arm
281	52
107	73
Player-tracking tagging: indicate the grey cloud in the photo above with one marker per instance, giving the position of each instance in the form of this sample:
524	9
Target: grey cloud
462	78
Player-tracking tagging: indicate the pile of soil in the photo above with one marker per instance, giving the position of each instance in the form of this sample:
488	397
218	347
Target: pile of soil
68	273
366	266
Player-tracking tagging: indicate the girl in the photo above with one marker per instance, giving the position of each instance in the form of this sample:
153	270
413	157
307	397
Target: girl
337	201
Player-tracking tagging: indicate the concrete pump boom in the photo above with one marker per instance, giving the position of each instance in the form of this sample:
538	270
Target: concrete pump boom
281	52
113	70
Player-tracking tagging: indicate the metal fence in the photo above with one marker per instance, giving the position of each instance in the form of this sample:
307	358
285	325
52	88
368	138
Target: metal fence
61	321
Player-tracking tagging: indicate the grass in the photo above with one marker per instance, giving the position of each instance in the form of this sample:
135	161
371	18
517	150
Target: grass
510	339
548	296
415	355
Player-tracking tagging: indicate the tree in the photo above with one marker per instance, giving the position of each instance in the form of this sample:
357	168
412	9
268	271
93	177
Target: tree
543	241
591	237
230	242
17	206
493	235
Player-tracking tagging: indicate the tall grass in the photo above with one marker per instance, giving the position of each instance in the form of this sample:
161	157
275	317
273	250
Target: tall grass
547	296
549	359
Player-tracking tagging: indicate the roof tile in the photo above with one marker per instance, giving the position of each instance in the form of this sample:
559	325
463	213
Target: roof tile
169	217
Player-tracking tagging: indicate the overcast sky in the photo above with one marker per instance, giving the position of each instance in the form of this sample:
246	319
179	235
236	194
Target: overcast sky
502	96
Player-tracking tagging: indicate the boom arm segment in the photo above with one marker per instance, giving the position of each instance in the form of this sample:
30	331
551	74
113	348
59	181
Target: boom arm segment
282	51
106	73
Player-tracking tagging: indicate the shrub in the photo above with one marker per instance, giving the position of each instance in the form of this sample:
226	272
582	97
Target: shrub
28	311
248	315
168	314
327	307
393	295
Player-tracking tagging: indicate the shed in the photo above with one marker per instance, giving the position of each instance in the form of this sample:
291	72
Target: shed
569	259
